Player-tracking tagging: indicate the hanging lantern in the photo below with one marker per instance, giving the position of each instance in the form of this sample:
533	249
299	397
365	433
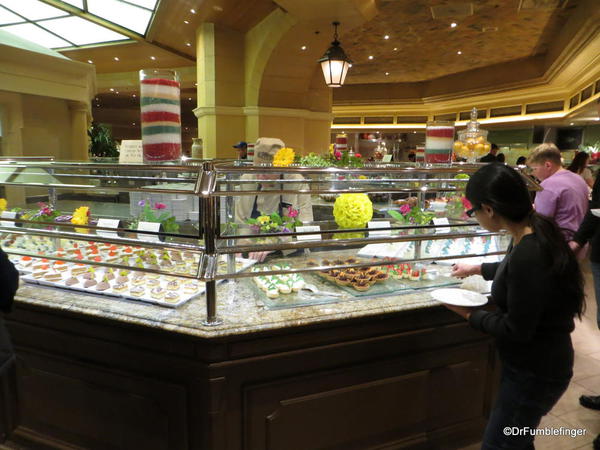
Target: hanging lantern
335	63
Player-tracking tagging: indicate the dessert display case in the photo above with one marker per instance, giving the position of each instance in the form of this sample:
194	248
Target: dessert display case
165	234
356	253
126	231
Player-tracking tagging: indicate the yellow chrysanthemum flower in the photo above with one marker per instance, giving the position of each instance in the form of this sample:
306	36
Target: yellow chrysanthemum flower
263	219
3	204
352	210
80	216
284	157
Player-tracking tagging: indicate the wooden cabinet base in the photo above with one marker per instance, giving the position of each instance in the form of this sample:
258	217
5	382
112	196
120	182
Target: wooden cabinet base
418	379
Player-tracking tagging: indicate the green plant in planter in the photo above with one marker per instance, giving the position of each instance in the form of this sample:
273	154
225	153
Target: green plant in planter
101	142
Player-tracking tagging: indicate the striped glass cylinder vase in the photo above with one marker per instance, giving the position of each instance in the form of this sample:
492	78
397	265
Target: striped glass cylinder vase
161	115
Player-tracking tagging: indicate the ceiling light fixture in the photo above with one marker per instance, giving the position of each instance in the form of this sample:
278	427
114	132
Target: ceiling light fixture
303	47
116	58
189	44
387	73
193	11
112	90
186	22
453	25
395	49
387	36
90	61
334	62
459	52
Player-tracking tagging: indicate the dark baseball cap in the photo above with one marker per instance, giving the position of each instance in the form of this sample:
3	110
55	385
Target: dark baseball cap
241	144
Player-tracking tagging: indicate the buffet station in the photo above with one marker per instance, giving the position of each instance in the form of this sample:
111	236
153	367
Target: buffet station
152	315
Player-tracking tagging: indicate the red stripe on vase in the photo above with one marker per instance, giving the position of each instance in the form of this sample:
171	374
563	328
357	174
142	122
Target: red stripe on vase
162	81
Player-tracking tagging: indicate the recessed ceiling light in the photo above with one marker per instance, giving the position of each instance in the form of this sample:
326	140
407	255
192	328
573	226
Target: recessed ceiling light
134	95
90	61
112	90
414	131
189	44
370	56
189	98
303	47
395	49
571	123
387	73
459	52
116	58
133	124
193	11
387	36
186	22
153	58
453	25
349	65
195	84
116	92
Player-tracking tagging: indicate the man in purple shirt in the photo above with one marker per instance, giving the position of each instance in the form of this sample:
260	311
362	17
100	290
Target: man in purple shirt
564	196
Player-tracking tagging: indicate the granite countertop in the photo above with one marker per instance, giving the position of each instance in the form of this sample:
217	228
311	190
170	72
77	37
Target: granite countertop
237	306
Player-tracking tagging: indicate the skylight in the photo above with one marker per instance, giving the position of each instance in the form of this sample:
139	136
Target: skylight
53	27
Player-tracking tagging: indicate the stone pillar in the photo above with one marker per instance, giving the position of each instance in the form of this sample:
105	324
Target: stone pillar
79	126
220	78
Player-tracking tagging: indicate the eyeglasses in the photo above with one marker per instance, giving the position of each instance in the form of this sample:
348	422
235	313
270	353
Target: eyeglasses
472	211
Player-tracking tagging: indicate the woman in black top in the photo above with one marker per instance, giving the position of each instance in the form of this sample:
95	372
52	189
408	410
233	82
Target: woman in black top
538	290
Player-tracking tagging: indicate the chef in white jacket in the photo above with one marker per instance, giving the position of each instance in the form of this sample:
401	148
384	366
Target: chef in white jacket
252	206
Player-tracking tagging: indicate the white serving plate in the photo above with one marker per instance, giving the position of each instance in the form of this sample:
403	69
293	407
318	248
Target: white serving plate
459	297
596	212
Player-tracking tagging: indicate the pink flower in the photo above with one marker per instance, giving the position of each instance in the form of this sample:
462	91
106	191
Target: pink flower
337	154
292	212
466	203
159	206
405	209
358	155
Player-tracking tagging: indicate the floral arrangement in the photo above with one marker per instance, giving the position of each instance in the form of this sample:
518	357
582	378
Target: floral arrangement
412	215
274	223
343	159
284	157
314	160
457	206
152	212
81	216
45	213
352	210
3	204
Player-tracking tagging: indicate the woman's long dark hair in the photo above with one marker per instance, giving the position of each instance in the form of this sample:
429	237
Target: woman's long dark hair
578	163
504	190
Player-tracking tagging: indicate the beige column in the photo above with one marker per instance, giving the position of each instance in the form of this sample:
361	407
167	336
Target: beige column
79	126
220	78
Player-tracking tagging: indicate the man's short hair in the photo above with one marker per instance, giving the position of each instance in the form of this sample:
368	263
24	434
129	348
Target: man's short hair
543	153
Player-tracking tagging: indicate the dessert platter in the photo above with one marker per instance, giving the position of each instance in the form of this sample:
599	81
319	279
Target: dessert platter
352	283
160	289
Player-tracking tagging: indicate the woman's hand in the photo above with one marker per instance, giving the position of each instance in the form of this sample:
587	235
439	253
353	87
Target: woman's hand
465	270
574	246
259	256
463	311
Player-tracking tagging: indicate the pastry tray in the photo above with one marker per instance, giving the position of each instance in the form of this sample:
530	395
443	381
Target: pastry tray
163	280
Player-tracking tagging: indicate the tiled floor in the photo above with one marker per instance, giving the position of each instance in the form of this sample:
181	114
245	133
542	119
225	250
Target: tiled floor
586	380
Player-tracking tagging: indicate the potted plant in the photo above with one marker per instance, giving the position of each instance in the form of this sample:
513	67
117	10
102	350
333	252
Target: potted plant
102	145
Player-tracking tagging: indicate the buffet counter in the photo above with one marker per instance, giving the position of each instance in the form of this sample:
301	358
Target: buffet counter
96	372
